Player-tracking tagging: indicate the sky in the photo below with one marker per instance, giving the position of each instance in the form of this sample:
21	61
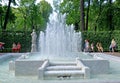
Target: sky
4	2
50	1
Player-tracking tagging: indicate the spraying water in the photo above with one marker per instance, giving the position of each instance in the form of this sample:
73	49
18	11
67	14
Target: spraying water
59	39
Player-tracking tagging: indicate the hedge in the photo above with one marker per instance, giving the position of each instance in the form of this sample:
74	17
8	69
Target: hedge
8	37
24	37
103	37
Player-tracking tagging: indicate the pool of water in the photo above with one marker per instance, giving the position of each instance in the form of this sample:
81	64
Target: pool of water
66	57
7	76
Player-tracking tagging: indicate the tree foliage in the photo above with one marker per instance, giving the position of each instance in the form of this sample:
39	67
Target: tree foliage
71	8
102	14
98	15
26	16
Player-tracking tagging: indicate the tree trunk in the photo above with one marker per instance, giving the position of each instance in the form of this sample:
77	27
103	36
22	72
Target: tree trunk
7	15
87	15
110	16
100	10
24	22
82	20
1	23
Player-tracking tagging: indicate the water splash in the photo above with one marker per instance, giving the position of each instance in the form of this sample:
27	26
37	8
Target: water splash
59	38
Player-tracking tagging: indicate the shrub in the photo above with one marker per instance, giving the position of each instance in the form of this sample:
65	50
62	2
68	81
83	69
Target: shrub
24	37
8	37
104	37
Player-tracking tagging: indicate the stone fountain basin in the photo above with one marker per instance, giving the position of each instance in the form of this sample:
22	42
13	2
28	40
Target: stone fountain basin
31	67
112	76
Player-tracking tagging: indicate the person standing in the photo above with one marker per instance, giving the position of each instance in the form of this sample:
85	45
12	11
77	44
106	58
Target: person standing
86	46
113	45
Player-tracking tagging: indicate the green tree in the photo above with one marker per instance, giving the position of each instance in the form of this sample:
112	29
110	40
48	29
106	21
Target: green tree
7	13
97	14
72	10
45	10
116	15
35	15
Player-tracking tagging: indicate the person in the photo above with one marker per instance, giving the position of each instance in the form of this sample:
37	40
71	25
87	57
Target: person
112	46
18	47
92	47
99	47
14	47
1	46
86	46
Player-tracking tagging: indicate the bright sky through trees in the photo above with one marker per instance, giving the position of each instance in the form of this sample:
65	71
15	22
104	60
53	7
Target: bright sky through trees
50	1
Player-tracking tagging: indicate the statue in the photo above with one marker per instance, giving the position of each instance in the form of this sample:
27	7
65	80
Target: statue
33	46
34	36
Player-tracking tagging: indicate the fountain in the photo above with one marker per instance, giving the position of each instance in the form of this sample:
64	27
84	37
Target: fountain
59	58
59	55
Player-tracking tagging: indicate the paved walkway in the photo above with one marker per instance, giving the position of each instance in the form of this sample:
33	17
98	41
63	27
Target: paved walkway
108	56
114	53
